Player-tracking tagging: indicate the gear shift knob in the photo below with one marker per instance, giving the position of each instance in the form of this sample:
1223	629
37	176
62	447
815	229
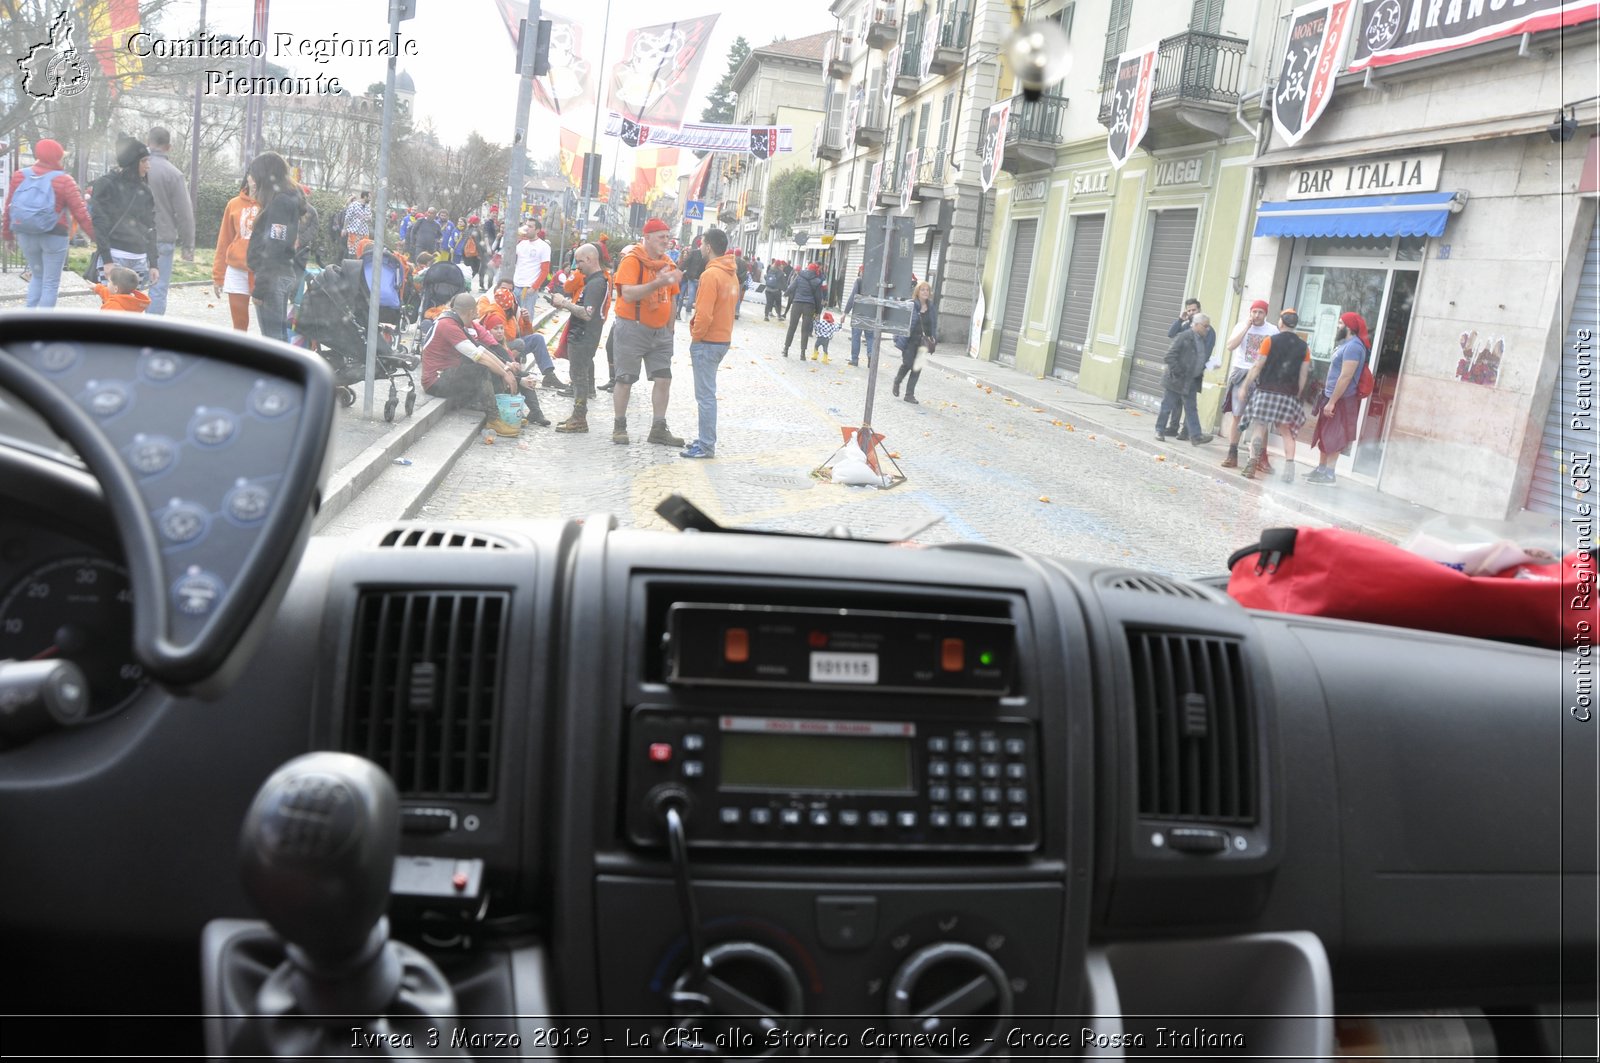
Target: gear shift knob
317	854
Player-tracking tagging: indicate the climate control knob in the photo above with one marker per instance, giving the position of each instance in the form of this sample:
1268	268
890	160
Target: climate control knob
950	988
741	985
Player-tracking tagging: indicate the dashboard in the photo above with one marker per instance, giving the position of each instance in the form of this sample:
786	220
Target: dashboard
737	796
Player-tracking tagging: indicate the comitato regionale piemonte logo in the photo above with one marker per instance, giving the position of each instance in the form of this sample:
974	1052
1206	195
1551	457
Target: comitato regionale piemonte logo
54	69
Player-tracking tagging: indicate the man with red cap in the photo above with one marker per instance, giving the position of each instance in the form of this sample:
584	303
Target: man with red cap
37	219
1340	403
1246	342
646	282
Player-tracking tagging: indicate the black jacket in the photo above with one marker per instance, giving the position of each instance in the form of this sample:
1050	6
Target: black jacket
123	210
275	238
807	287
423	235
1186	361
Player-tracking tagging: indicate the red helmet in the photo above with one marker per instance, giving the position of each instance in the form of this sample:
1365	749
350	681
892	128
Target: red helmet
472	220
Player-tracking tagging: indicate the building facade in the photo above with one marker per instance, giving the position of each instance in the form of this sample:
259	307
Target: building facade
1093	263
1434	196
777	85
1476	311
908	87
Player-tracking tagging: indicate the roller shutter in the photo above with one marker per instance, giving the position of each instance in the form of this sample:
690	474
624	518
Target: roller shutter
1552	482
1011	325
1171	241
1083	266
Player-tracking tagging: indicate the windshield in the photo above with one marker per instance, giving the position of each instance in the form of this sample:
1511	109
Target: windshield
1118	286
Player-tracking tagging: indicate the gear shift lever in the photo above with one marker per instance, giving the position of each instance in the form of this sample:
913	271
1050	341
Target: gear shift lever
317	852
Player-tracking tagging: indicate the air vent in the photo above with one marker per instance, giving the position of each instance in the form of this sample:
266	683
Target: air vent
1196	729
425	690
440	539
1148	584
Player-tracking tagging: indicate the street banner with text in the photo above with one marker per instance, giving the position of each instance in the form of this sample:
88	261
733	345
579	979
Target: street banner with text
1317	36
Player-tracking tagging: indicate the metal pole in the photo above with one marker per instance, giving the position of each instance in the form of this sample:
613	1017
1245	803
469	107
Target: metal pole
519	139
864	436
380	214
194	132
594	133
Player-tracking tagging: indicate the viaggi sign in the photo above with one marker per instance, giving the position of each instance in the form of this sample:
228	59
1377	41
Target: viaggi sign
1383	175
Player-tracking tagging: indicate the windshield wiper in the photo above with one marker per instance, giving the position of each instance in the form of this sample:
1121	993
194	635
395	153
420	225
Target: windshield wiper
684	515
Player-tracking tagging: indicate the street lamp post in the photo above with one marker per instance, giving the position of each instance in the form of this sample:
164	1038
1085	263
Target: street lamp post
399	11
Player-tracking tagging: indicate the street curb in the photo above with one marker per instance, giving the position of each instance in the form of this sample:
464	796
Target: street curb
7	300
445	468
355	477
1238	483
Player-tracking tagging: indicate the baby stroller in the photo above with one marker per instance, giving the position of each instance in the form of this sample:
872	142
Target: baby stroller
333	314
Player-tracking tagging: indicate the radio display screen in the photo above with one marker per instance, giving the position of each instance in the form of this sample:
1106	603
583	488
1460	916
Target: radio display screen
841	763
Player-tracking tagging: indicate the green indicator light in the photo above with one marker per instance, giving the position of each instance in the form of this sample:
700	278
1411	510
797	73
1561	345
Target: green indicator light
985	658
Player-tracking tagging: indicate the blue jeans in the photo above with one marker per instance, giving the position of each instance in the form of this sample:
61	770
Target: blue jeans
541	350
686	296
158	290
855	344
46	255
271	296
705	358
1171	403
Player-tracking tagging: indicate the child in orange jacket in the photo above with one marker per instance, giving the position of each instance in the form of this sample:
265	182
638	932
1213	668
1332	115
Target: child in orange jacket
230	273
123	292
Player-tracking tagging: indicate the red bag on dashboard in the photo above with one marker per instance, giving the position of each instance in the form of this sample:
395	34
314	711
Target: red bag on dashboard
1336	573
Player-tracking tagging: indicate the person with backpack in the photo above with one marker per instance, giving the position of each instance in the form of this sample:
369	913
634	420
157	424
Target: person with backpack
1279	376
38	202
274	243
806	295
124	212
474	250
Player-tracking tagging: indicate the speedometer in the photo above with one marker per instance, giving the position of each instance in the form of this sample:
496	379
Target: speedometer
79	609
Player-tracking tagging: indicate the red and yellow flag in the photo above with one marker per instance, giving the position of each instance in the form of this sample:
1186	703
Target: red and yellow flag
110	24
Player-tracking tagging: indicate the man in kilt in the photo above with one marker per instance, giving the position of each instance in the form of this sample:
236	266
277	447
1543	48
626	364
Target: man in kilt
1277	379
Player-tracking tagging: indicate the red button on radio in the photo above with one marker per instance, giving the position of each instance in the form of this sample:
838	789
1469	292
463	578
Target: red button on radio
736	645
660	752
953	655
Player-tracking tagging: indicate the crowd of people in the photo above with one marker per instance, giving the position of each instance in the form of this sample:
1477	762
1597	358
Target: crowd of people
1266	387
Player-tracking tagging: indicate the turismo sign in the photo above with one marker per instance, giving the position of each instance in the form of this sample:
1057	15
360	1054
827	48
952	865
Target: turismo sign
1378	176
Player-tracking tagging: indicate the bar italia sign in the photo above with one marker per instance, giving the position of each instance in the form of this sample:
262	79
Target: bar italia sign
1378	176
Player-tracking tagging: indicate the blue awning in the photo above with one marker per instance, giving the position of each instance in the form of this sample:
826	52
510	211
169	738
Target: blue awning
1416	214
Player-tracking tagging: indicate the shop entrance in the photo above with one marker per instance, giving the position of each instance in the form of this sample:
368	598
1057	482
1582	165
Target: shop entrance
1377	278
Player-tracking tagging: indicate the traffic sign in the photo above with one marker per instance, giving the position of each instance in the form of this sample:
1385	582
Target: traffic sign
695	209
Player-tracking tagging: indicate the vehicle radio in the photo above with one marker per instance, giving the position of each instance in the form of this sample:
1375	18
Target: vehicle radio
712	644
770	782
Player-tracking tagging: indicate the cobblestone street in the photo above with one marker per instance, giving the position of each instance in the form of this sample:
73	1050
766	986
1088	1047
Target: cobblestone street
989	468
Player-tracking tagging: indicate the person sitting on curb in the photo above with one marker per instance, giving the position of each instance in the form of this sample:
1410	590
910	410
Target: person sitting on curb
457	363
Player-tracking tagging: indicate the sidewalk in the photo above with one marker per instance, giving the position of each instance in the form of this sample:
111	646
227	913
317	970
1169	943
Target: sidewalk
1349	504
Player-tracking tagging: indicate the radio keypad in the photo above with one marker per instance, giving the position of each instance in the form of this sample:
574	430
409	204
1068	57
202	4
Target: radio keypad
970	787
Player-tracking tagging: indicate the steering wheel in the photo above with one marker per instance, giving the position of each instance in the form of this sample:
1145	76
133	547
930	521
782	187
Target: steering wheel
210	447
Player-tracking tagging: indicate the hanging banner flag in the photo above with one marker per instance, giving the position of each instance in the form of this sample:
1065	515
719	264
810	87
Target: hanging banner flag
910	182
994	143
852	116
655	76
569	87
761	141
1392	31
1130	107
930	42
112	22
891	69
573	148
877	183
1317	35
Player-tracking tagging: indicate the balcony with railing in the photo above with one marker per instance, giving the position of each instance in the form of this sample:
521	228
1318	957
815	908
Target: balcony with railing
951	50
871	125
1033	133
889	184
884	29
932	172
908	74
1199	78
